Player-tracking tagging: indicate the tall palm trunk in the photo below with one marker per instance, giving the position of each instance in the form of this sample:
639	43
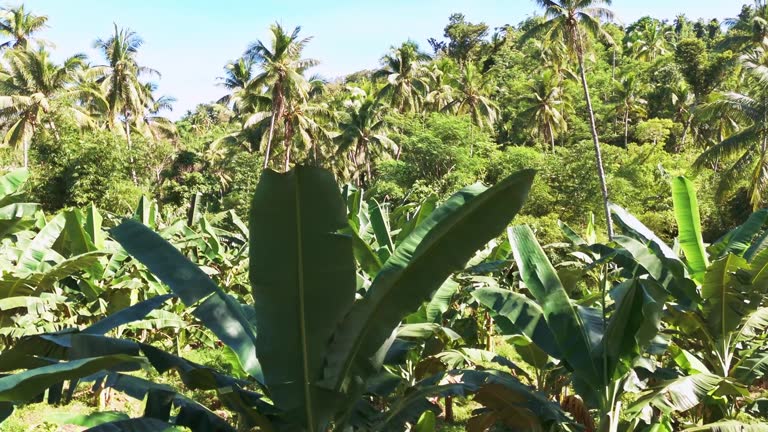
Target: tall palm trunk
130	149
552	137
277	110
595	138
288	144
55	131
626	127
25	151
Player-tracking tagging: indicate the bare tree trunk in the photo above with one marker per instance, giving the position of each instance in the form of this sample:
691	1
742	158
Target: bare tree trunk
277	110
288	143
55	131
626	128
595	138
287	158
552	138
685	133
130	149
25	145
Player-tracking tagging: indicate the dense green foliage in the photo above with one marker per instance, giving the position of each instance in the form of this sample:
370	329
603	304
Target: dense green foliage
320	237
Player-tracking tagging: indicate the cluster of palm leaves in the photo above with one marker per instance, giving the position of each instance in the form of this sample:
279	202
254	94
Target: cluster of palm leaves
283	112
37	92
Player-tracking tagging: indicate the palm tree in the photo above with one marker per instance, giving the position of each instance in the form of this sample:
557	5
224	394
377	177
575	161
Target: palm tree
750	144
19	26
650	42
470	97
543	107
120	83
569	21
282	69
363	135
440	73
747	33
629	103
403	71
153	125
551	55
238	76
305	121
683	102
30	85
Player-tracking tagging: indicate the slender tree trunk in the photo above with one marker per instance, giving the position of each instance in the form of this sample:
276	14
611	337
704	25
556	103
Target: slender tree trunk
687	126
55	131
626	128
25	150
595	138
287	163
130	149
288	144
552	137
277	109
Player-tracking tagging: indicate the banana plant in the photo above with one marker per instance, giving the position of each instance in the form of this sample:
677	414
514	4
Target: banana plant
599	346
719	320
307	342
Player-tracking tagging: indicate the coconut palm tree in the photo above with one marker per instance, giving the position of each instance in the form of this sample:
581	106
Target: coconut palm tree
406	85
544	106
31	85
238	75
282	72
362	136
471	97
440	73
305	123
749	145
748	32
19	25
683	101
551	55
152	124
650	41
570	21
628	102
125	94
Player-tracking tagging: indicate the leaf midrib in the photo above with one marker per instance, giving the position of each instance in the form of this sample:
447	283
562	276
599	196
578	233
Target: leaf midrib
302	308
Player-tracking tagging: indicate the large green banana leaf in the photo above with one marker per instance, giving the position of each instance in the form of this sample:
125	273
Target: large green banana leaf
439	246
689	226
24	386
216	310
566	325
10	184
36	253
302	272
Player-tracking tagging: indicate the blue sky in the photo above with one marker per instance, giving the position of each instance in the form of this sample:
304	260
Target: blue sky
189	41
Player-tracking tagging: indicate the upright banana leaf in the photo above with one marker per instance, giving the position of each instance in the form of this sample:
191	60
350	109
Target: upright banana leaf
93	223
724	304
302	272
597	356
566	325
689	226
442	244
